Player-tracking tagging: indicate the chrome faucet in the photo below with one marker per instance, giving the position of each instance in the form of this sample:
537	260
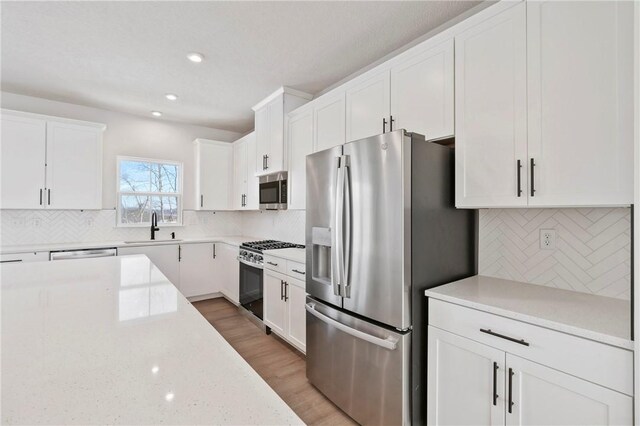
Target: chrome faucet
154	225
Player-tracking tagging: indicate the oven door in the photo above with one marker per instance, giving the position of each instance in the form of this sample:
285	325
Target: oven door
251	288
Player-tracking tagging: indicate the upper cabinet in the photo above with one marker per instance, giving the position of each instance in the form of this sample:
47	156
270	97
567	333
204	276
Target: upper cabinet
50	162
300	143
269	120
491	111
245	182
544	109
368	107
214	174
422	92
580	97
329	121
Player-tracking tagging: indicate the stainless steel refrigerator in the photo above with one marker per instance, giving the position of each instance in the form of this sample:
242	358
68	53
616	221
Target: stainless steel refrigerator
381	228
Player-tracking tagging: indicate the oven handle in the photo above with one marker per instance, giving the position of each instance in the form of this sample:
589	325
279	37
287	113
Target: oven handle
255	265
388	343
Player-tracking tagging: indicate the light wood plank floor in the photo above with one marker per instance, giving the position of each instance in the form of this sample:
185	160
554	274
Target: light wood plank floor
281	366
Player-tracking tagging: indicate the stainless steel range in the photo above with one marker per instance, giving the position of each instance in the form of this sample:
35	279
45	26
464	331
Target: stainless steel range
251	261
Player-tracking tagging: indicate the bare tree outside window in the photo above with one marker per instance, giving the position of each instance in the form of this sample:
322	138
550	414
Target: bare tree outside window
147	186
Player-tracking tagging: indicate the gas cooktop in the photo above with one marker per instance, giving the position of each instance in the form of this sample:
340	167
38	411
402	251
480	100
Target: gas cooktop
269	245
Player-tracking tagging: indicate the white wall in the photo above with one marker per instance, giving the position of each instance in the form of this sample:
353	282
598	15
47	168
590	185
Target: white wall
129	135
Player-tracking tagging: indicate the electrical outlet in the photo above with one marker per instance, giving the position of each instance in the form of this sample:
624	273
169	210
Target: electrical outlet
547	239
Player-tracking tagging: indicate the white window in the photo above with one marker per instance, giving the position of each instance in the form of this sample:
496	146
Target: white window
146	186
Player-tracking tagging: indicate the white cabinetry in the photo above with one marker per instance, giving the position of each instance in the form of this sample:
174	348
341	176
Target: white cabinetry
269	120
300	143
245	182
214	174
199	271
228	271
284	300
483	371
580	96
422	92
164	256
49	162
491	111
543	105
368	107
37	256
329	121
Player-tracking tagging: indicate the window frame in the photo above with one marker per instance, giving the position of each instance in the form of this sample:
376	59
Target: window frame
119	193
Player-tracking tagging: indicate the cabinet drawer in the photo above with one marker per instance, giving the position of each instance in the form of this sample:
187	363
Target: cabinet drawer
275	264
38	256
606	365
296	269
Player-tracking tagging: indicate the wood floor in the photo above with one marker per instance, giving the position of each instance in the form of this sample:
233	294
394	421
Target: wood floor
281	366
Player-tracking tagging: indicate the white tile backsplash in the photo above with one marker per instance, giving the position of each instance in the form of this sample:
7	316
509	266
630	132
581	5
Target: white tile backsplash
284	225
592	254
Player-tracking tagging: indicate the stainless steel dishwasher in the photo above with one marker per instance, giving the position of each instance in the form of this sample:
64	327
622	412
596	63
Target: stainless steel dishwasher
82	254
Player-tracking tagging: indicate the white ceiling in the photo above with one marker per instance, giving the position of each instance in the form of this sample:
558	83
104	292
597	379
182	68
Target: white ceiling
125	56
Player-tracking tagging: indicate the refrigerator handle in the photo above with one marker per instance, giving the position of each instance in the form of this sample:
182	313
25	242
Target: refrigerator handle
388	343
346	238
337	255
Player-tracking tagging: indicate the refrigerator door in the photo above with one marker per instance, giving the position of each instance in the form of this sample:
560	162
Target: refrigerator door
321	270
361	367
378	227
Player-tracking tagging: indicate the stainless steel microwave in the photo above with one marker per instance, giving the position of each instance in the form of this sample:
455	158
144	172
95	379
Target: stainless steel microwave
273	191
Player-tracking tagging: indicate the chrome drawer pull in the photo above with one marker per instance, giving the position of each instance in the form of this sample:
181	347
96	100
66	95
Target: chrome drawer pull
272	264
297	272
502	336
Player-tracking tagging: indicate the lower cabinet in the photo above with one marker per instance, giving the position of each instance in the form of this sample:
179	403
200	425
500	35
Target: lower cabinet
199	270
471	383
284	311
228	271
164	256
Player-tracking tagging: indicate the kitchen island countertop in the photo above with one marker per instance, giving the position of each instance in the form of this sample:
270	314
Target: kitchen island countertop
112	341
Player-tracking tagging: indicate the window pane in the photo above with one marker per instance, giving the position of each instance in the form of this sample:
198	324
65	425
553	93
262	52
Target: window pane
134	209
164	177
134	176
166	208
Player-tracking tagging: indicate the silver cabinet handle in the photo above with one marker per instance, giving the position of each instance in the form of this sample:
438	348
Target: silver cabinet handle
272	264
297	272
49	196
40	196
388	343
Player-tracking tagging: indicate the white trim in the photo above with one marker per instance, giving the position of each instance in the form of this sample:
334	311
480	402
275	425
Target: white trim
32	115
280	91
636	213
211	142
179	194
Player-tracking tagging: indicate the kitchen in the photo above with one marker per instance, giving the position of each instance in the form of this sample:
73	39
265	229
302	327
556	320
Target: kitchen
211	224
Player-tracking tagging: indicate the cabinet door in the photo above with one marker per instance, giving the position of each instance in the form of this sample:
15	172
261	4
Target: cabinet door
23	162
367	107
74	166
462	377
491	111
422	93
214	175
329	121
275	307
300	144
228	269
580	81
544	396
38	256
275	154
296	313
197	270
239	174
251	199
262	138
164	256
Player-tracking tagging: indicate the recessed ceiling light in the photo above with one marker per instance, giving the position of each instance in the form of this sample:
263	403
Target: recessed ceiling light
156	113
171	96
195	57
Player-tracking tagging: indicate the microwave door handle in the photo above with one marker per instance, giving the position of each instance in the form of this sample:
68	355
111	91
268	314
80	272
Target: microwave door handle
336	231
346	238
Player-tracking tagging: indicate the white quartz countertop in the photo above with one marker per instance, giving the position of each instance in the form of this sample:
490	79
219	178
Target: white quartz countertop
599	318
235	240
295	254
112	341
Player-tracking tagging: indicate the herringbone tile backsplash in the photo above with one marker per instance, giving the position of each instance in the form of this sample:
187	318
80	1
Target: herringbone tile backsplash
592	254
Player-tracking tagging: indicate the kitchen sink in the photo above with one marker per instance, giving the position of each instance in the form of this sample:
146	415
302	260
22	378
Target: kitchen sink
151	241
